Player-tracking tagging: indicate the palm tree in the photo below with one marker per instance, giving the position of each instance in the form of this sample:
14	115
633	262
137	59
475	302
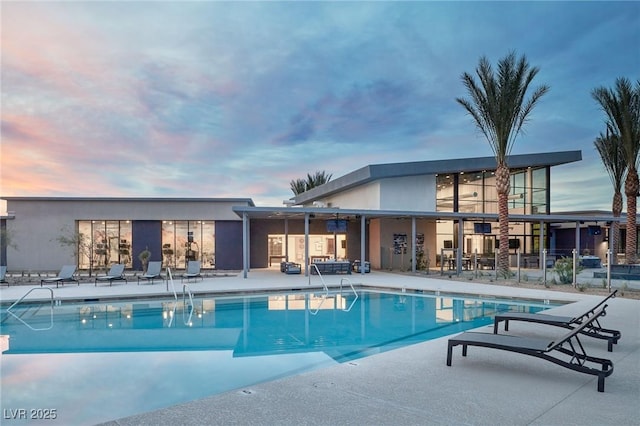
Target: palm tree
317	179
622	108
499	108
298	186
612	155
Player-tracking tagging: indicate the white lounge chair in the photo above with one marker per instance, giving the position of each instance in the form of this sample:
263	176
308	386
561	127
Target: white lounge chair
153	271
3	273
193	271
116	273
66	274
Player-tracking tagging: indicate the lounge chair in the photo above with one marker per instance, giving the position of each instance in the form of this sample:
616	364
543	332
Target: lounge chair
593	330
153	272
575	356
66	274
116	273
193	271
3	274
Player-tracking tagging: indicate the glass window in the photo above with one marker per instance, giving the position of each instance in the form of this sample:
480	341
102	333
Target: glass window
185	240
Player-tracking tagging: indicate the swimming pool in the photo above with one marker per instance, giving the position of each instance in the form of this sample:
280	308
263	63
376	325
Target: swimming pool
94	362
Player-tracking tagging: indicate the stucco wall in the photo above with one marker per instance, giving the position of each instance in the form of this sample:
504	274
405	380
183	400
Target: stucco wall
416	193
365	196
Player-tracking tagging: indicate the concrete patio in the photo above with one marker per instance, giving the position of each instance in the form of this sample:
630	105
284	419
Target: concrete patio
413	385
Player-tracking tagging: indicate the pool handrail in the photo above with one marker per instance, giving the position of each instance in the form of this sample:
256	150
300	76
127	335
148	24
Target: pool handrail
324	285
22	298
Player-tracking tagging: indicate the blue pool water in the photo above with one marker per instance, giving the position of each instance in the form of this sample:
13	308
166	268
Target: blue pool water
94	362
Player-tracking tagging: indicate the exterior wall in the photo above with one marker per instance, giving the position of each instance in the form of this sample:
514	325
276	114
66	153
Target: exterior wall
385	242
229	245
40	221
417	193
365	196
404	193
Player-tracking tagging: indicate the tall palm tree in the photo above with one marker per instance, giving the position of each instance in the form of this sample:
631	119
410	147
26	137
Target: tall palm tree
622	108
610	149
499	108
298	186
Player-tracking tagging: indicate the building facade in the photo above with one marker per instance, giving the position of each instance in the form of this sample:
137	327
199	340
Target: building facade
396	216
96	232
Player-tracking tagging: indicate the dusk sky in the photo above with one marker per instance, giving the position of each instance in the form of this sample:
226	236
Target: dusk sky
236	99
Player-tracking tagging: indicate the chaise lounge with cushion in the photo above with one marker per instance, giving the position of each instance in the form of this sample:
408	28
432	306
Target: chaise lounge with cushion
116	273
594	329
66	274
193	271
566	351
154	268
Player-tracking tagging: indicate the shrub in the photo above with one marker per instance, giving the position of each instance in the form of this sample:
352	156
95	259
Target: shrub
564	269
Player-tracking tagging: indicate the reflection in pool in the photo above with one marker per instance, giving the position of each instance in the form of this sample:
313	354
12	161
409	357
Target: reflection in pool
96	362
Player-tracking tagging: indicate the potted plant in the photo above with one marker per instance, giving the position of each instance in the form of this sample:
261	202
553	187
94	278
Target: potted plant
144	258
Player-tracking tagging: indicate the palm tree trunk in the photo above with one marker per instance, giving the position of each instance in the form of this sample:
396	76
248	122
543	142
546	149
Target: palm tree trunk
616	209
502	188
631	191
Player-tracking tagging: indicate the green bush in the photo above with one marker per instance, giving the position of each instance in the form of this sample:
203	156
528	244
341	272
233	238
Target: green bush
564	269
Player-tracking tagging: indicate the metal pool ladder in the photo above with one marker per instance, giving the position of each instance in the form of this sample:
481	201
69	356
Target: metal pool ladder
22	298
186	292
326	291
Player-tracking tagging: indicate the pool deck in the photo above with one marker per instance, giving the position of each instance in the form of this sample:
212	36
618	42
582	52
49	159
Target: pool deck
413	385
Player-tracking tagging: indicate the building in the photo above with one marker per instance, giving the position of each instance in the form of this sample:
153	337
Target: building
47	230
436	212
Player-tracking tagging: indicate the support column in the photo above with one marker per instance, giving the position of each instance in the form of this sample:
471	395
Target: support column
245	244
306	244
460	245
542	243
413	245
363	240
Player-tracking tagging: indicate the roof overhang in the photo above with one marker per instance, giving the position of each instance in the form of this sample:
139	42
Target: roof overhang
275	213
384	171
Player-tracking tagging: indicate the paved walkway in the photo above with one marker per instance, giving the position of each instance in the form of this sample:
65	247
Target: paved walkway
413	385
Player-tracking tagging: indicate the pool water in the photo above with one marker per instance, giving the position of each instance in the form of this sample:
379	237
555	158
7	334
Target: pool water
95	362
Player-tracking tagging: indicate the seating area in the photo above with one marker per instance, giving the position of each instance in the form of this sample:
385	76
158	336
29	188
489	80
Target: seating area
192	272
594	329
621	272
154	269
66	275
115	273
331	267
566	351
357	266
290	268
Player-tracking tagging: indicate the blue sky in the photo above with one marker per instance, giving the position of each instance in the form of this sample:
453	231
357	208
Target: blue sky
236	99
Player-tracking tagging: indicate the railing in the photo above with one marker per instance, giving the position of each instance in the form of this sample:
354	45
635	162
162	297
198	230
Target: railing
324	285
352	289
326	291
186	293
17	302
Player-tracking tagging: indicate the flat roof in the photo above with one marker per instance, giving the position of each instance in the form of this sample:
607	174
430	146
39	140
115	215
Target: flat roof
374	172
247	201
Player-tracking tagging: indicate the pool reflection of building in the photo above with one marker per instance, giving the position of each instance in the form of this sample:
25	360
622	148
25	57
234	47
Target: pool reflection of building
256	325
